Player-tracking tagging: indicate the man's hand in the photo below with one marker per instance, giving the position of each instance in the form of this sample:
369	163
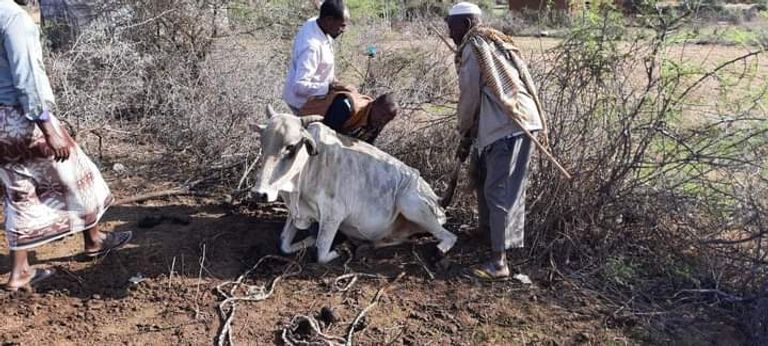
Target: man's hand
462	152
58	140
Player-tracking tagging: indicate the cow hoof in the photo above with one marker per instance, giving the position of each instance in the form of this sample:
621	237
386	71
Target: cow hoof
447	244
306	243
328	257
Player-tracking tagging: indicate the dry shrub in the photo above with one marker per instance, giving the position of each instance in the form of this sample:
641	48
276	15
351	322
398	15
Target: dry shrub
98	79
668	199
178	74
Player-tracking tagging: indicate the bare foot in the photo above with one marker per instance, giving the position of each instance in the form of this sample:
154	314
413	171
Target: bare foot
29	277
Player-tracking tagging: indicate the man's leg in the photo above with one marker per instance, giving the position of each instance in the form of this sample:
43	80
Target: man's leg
22	274
97	243
21	271
506	172
93	239
338	113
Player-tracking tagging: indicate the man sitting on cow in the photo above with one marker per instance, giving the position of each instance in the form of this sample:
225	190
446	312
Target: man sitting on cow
353	114
311	87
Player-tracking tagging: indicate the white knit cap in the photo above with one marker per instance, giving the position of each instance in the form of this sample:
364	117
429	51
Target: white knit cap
465	8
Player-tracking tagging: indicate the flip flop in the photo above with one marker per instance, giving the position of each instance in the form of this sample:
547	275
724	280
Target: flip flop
485	273
40	275
114	241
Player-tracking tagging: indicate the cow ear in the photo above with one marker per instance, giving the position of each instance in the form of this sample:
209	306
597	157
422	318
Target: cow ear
270	111
257	128
309	142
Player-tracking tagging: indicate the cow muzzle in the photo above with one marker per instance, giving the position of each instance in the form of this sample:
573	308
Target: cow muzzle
263	196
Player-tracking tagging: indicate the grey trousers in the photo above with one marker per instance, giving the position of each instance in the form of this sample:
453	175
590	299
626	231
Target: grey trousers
500	174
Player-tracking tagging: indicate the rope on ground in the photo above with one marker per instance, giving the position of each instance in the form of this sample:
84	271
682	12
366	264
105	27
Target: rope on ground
238	291
307	325
368	308
299	321
344	282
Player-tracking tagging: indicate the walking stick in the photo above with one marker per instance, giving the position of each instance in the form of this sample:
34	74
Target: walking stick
447	196
541	147
461	155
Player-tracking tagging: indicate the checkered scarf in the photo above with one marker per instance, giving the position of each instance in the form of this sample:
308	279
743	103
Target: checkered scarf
498	56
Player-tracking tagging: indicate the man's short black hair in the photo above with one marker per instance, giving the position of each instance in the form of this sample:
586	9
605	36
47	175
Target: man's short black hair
387	99
333	8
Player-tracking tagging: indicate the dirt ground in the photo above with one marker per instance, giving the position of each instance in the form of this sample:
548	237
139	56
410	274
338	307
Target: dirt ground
94	302
100	302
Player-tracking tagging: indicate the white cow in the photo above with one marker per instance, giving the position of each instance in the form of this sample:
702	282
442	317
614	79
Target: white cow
342	184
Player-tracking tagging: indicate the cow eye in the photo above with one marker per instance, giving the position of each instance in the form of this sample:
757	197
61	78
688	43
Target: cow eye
291	149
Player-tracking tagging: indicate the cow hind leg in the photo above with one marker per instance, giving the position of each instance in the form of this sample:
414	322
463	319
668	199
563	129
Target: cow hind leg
402	229
421	213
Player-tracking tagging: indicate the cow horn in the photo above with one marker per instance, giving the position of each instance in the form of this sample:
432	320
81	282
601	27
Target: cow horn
306	120
270	111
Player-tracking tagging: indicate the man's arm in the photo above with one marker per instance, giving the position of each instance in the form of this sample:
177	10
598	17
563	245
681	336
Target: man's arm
307	64
470	87
22	45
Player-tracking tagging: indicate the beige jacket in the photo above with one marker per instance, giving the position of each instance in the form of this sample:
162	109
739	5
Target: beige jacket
478	107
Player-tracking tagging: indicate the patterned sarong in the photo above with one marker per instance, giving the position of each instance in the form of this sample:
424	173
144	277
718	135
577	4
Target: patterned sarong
45	200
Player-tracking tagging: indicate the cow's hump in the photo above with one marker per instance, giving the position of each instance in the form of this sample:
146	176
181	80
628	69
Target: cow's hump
328	139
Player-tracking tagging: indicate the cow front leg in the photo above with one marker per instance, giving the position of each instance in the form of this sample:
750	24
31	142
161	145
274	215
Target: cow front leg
286	239
326	233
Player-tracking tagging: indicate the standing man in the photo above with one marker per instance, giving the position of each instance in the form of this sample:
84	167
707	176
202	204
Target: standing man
494	86
312	72
52	189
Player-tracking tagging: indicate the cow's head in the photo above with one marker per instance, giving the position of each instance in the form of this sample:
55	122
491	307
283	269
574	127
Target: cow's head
286	147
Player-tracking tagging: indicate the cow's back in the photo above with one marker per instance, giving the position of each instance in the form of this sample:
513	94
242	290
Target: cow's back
362	182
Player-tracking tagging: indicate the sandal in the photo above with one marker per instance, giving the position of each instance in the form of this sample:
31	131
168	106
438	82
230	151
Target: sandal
113	241
490	272
40	275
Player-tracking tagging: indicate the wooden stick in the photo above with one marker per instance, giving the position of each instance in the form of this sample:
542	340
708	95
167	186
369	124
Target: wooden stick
162	194
542	148
442	38
447	197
